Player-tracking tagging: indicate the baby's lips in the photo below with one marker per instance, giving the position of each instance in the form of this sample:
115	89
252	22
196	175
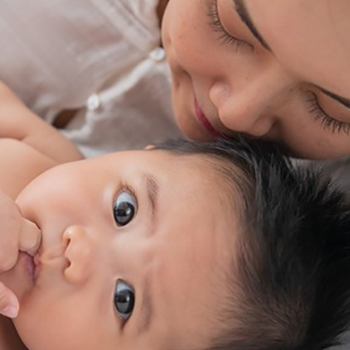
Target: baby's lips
29	238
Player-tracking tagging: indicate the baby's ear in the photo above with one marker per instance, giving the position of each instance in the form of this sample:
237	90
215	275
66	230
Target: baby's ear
149	147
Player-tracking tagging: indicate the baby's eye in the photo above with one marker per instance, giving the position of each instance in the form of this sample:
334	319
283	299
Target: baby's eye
124	208
124	299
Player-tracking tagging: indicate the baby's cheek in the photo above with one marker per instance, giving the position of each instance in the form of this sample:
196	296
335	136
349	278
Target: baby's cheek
32	324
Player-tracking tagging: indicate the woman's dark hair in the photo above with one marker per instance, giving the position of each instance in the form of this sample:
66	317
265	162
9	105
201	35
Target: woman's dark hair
289	285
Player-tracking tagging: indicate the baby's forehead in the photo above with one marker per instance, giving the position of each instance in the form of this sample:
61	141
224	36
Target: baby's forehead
214	171
211	162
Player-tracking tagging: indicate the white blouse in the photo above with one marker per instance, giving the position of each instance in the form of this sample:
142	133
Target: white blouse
101	57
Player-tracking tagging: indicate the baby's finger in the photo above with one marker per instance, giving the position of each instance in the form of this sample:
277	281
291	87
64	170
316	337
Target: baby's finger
29	238
9	305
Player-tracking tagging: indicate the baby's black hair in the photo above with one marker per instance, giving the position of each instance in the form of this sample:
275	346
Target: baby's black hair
289	285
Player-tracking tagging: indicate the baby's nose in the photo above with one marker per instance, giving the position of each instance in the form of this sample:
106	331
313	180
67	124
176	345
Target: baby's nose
79	253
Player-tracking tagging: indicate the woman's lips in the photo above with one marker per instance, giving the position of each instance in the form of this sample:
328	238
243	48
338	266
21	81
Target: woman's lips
201	117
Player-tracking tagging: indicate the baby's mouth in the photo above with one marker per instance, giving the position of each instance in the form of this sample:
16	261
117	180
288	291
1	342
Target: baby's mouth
30	266
32	247
37	266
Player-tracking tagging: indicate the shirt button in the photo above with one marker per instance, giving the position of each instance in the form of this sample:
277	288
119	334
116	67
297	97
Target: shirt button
93	102
157	54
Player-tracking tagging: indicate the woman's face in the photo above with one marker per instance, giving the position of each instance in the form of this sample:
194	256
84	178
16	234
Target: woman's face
131	255
276	69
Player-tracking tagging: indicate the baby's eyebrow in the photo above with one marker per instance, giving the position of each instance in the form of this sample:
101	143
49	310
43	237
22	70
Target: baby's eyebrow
146	310
152	188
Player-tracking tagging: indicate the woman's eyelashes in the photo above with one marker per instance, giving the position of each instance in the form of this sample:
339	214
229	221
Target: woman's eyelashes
217	26
327	121
124	207
124	299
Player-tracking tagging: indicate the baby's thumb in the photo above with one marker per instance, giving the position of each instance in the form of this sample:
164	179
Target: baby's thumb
29	237
9	305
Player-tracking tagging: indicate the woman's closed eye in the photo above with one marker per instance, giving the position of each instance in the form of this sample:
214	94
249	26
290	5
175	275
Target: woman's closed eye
124	299
124	207
327	121
217	26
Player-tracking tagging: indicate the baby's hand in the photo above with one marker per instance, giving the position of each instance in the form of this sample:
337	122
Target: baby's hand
16	234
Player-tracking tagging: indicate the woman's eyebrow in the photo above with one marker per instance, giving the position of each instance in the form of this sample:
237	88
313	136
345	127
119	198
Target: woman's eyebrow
242	11
344	101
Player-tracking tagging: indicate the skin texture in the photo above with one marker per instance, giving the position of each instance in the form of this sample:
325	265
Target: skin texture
250	89
84	253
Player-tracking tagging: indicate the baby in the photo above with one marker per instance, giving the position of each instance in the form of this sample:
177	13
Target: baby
221	245
184	246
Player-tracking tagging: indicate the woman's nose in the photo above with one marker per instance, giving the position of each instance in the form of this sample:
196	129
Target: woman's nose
250	105
79	253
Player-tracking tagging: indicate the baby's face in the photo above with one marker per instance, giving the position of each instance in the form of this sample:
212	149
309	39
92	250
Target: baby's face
133	246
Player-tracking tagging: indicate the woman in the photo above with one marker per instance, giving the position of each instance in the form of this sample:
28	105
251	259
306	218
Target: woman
276	69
